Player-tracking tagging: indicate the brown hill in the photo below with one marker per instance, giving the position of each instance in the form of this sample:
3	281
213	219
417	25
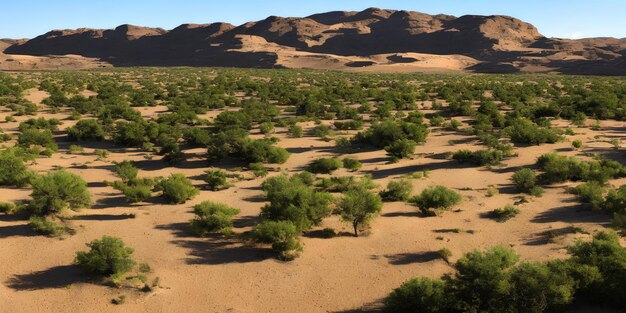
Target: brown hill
341	40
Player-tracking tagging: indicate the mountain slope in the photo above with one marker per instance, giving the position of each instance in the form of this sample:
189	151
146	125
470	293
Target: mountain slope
341	40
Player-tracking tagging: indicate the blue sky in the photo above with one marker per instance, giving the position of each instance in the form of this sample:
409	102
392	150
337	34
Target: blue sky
554	18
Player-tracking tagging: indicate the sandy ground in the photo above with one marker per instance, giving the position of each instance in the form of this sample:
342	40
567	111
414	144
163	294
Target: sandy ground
332	275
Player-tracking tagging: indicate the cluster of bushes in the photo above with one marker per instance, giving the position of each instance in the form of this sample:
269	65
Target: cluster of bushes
398	138
557	168
613	201
479	157
524	131
494	281
135	189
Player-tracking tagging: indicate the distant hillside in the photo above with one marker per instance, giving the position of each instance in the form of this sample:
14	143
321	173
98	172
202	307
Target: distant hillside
374	39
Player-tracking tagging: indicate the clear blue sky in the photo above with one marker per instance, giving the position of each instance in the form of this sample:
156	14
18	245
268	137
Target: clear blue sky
554	18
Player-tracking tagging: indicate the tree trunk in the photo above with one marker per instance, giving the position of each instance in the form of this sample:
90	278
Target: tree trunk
356	232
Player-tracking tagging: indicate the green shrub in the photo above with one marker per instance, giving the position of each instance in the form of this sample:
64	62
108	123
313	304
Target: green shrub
524	180
480	157
386	133
42	226
436	198
282	235
258	169
401	149
266	127
216	180
291	199
177	189
7	207
86	130
125	170
345	183
295	131
504	214
591	192
577	144
418	295
106	256
525	131
558	168
325	165
13	171
359	206
136	190
351	164
445	254
212	217
56	191
397	190
40	138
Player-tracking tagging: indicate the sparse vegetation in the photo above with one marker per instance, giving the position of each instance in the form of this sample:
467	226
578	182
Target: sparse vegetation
435	199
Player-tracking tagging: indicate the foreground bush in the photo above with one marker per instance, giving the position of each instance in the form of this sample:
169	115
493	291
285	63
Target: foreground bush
177	189
56	191
212	217
437	198
491	281
106	256
525	131
397	190
282	235
359	206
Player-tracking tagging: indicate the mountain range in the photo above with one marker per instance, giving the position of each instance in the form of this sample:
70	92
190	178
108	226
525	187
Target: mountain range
370	40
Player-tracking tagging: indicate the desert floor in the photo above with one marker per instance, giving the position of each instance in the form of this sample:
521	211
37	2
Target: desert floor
332	275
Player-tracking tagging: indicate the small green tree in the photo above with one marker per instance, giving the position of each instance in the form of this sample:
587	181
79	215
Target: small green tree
13	171
397	190
125	170
352	164
401	149
177	189
359	206
56	191
325	165
106	256
418	295
86	130
282	235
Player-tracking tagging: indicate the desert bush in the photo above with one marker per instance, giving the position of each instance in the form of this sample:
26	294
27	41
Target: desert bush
138	191
293	200
266	128
359	206
58	190
323	131
13	171
577	144
325	165
125	170
40	124
480	157
216	179
106	256
177	189
558	168
386	133
525	131
7	207
418	295
351	164
86	130
258	169
401	149
504	214
397	190
41	225
591	192
35	137
524	180
436	198
282	235
345	183
295	131
212	217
